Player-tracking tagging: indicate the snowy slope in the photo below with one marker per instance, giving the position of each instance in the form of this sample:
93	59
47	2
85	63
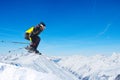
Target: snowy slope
21	65
10	72
97	67
26	66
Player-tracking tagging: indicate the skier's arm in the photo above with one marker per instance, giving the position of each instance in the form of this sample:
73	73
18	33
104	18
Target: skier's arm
34	32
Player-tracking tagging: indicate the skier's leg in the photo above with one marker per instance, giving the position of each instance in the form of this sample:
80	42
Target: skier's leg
32	44
37	42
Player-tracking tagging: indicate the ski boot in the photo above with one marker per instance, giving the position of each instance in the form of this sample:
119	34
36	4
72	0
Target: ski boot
32	50
37	52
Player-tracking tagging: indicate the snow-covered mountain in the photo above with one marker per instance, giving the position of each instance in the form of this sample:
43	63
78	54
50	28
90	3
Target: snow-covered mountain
97	67
21	65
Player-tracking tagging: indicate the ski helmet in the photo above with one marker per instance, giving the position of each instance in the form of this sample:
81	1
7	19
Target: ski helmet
42	23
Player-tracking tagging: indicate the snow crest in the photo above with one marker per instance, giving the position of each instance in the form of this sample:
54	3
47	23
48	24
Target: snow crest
28	66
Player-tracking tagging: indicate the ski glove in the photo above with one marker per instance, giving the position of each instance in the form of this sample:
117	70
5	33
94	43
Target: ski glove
31	34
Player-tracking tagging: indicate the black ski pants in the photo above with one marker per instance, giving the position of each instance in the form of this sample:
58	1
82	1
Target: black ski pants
35	41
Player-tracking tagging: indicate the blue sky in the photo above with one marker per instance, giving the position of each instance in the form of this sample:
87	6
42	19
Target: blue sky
85	27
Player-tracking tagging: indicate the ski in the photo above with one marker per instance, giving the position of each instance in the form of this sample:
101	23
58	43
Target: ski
32	51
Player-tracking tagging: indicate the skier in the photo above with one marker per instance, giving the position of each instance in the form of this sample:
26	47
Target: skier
32	35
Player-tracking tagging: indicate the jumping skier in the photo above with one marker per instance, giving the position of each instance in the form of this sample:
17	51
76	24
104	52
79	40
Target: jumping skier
32	35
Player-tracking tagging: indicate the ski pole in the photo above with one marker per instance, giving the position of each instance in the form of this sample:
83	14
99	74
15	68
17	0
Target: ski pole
15	50
13	42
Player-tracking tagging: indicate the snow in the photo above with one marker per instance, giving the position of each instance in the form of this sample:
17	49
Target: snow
9	72
21	65
97	67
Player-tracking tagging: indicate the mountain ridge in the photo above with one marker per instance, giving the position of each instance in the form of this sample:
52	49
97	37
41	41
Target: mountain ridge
98	67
